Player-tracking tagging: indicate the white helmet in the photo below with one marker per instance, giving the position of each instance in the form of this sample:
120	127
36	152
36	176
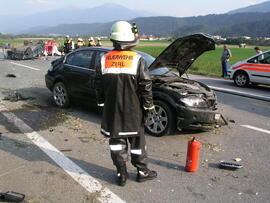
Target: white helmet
67	36
122	31
80	39
91	39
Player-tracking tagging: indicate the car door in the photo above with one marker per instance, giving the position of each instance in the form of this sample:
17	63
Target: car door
79	72
264	68
259	68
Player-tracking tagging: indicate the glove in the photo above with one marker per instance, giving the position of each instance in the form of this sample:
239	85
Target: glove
149	112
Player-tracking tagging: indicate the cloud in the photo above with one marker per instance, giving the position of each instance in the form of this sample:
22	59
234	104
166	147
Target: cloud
39	2
256	2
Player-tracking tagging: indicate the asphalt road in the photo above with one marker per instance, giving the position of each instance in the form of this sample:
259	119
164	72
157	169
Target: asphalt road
55	155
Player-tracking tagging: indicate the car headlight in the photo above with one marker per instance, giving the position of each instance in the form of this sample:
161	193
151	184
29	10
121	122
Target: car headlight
194	101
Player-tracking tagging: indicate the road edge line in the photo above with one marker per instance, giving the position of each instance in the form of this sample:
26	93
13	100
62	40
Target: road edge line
25	66
225	90
78	174
257	129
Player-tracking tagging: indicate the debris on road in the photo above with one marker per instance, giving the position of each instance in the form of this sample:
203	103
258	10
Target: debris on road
15	96
237	159
12	197
230	165
66	150
215	179
212	147
9	75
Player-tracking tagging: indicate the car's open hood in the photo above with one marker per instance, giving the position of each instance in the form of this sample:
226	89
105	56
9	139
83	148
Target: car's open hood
183	52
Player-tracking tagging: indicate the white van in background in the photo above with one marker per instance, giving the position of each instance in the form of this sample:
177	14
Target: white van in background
253	70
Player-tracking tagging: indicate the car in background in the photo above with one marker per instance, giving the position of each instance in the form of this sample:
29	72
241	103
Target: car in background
255	70
180	103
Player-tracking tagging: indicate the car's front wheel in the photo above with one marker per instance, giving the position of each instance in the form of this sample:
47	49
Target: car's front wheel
163	123
60	95
241	79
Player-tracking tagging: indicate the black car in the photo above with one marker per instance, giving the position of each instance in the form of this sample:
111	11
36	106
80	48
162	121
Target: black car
180	103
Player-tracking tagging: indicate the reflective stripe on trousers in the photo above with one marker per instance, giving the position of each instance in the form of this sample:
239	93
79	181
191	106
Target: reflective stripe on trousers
119	151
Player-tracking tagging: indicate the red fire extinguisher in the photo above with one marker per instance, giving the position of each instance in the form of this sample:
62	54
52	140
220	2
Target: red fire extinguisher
193	153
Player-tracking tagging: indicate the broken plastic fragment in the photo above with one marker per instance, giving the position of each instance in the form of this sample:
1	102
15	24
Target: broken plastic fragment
237	159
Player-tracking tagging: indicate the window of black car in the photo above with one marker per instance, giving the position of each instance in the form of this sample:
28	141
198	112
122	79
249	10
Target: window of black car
148	58
81	59
162	71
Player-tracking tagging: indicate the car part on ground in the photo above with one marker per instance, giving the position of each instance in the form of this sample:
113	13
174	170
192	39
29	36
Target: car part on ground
230	165
11	197
20	54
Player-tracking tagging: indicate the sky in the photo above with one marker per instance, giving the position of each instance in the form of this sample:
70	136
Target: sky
178	8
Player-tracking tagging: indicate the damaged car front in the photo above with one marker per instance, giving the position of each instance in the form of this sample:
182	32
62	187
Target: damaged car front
180	102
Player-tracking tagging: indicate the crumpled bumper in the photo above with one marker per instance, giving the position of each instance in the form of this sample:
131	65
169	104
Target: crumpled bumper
194	118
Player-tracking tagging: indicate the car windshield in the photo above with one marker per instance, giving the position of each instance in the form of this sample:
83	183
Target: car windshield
159	71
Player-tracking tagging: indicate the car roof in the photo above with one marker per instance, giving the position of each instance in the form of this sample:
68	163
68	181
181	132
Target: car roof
106	49
94	48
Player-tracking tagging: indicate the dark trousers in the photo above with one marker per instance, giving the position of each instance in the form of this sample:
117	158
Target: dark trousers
225	67
119	151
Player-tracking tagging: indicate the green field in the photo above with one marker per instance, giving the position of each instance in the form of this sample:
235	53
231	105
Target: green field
209	63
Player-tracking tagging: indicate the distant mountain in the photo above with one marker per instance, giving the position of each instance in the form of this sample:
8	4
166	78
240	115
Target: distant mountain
254	29
261	7
104	13
223	24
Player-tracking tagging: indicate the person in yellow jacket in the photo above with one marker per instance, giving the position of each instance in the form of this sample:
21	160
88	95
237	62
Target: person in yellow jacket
68	45
124	89
99	44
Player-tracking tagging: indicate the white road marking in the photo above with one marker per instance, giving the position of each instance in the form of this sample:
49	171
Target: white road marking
29	67
78	174
257	129
240	93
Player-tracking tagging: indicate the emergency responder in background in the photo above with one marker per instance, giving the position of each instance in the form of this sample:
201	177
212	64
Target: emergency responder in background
258	50
225	57
68	45
99	44
124	89
91	42
80	43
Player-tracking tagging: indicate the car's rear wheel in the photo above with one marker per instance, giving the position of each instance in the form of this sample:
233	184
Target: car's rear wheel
60	95
163	123
241	79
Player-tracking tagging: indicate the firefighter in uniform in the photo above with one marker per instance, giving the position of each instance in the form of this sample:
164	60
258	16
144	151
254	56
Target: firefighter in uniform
80	43
124	89
91	42
99	44
67	45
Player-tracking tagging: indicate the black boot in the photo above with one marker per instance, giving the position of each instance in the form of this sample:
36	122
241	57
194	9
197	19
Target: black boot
145	174
122	175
